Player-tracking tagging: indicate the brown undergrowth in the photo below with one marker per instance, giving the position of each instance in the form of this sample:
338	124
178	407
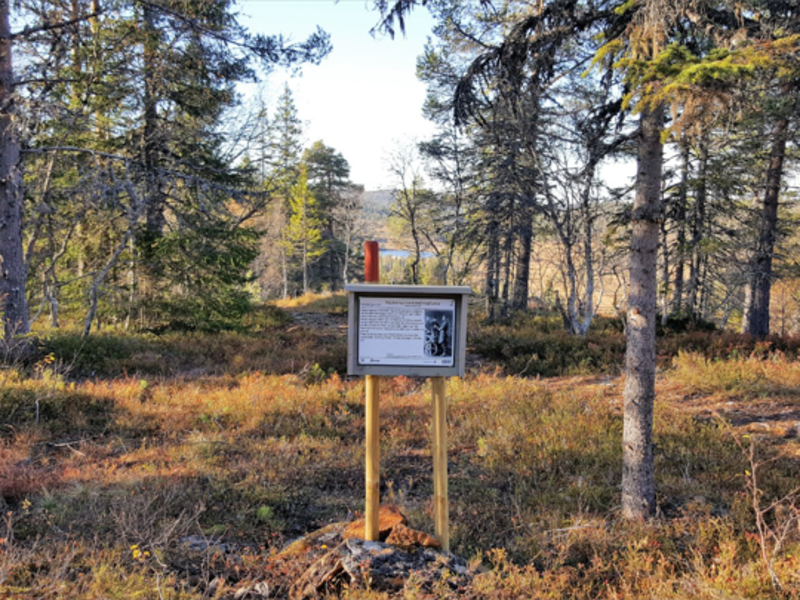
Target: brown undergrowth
103	480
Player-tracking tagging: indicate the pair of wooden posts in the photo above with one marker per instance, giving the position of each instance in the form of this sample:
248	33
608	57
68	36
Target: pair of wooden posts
373	474
372	469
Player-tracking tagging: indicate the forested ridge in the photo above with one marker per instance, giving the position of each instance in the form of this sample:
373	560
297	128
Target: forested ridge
616	181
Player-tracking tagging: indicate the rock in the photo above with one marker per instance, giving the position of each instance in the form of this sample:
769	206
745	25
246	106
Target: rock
337	556
324	538
388	517
319	575
258	590
199	543
378	565
408	539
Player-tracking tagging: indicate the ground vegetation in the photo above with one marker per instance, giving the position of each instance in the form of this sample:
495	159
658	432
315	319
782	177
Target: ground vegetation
179	466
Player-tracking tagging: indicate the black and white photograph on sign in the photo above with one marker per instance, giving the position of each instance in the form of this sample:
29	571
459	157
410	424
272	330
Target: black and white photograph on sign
406	331
439	333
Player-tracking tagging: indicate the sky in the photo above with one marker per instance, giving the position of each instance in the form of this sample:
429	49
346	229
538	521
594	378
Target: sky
363	99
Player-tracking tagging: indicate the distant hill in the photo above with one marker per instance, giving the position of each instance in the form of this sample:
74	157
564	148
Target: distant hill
376	214
377	202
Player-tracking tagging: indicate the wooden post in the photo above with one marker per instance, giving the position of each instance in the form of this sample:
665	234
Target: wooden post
440	502
373	460
372	468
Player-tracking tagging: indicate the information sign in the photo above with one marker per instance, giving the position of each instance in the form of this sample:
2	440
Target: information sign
407	330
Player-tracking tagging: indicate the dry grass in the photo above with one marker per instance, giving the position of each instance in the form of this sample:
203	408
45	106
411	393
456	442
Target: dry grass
335	303
108	476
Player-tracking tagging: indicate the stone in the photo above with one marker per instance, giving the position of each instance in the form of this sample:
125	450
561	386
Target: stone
324	538
202	544
337	556
408	539
253	592
388	517
379	566
318	576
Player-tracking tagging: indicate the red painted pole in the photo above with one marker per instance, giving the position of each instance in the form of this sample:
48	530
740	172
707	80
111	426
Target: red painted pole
372	461
371	262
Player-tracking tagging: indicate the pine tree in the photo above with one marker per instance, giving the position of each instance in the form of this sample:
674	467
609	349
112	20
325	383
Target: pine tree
282	163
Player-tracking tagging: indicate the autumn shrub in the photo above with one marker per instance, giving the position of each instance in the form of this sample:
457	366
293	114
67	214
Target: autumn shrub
529	351
97	355
271	347
265	317
755	374
54	406
726	345
538	345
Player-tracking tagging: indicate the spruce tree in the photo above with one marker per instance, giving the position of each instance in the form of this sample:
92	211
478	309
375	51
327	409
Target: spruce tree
303	239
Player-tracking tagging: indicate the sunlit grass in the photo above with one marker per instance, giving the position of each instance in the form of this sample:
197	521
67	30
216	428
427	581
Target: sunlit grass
326	303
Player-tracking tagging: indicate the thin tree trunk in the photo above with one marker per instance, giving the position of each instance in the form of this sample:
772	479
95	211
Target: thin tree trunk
285	270
664	272
588	256
14	271
305	255
508	259
638	481
698	232
680	237
346	258
570	312
523	271
133	282
51	277
757	320
94	293
492	269
155	198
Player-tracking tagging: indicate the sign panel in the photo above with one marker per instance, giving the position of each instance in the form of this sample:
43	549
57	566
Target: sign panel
406	331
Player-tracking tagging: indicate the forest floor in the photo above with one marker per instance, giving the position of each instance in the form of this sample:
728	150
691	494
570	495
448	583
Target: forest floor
179	465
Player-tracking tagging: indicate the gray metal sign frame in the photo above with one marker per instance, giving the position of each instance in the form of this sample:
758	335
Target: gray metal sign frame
459	335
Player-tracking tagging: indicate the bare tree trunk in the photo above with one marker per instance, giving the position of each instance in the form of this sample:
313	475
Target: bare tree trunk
13	271
638	481
698	232
492	269
50	288
523	271
346	258
305	266
680	237
285	272
155	198
133	281
757	318
588	258
664	272
417	250
508	260
570	313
